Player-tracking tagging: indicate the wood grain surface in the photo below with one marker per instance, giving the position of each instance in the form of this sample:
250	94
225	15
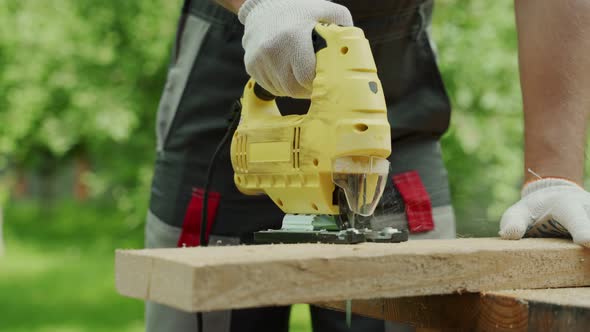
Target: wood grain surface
204	279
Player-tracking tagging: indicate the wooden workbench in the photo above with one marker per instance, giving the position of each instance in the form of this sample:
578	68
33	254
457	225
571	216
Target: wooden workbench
409	278
558	309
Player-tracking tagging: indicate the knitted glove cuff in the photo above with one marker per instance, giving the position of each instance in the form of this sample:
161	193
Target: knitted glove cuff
249	6
547	183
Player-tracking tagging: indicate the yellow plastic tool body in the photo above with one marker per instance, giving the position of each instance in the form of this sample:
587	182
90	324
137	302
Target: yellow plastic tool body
290	158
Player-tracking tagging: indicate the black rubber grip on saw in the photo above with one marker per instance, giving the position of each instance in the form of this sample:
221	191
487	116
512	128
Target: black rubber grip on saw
318	41
262	93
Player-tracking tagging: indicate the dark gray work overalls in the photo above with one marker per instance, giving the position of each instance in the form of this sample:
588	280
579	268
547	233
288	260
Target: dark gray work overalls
207	75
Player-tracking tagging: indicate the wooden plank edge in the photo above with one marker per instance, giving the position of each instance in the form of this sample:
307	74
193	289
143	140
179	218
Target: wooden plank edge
193	287
137	273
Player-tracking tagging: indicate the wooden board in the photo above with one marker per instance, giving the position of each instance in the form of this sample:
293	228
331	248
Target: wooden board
204	279
566	309
433	311
560	309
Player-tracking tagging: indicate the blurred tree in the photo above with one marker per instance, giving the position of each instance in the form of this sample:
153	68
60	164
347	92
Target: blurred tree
84	78
1	231
477	46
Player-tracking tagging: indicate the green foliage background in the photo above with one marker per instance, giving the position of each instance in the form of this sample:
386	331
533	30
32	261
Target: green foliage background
84	78
483	149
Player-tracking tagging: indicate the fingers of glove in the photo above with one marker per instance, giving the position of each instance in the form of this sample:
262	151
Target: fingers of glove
515	221
303	67
304	61
336	14
287	83
284	67
277	41
264	59
574	216
265	79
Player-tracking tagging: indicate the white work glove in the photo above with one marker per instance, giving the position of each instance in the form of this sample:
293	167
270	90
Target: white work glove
277	41
549	208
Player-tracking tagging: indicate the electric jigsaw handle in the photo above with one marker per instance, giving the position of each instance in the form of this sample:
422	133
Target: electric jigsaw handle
318	43
342	53
342	140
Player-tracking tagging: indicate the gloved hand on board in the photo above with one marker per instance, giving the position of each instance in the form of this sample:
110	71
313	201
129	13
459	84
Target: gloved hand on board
549	207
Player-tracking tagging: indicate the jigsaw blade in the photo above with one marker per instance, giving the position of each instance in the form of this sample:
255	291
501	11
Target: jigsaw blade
348	313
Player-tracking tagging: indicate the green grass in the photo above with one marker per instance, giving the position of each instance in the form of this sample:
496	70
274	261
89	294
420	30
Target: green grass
300	318
57	272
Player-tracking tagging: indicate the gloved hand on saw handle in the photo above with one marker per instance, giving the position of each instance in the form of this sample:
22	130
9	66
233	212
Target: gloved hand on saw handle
277	40
549	207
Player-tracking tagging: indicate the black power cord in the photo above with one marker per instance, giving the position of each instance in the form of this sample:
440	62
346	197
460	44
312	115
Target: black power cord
233	124
234	120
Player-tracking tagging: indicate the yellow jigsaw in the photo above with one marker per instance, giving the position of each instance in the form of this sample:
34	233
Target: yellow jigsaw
303	162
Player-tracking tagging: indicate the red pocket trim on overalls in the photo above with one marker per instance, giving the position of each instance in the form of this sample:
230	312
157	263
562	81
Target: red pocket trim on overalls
417	201
191	226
